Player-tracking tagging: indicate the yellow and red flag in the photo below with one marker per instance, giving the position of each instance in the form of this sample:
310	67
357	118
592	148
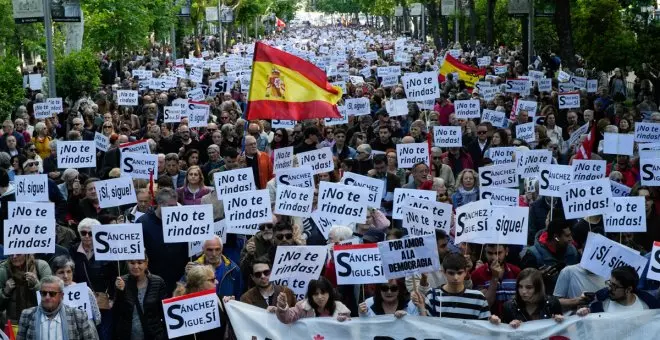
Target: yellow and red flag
279	23
287	87
470	75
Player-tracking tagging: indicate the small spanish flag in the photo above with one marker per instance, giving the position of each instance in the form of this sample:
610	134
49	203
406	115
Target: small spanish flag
287	87
470	75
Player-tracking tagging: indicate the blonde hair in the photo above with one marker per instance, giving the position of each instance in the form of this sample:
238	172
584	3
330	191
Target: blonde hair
201	174
196	277
459	178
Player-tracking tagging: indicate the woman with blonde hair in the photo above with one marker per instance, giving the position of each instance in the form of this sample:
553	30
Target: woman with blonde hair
198	279
42	140
193	189
467	188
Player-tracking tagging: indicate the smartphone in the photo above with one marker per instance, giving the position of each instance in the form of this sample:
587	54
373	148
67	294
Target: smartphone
590	295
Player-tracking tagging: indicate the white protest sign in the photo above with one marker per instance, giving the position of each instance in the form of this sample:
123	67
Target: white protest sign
421	86
619	190
520	86
293	201
191	313
418	222
497	69
408	256
323	224
245	209
295	266
601	255
187	223
115	192
569	100
127	98
618	143
510	225
282	158
27	236
489	93
172	114
483	61
396	107
529	162
139	165
102	142
588	170
283	124
471	221
503	155
647	132
497	118
654	266
466	109
389	80
30	210
198	118
410	154
196	74
233	181
447	136
139	146
441	212
586	198
525	132
592	85
345	203
338	121
528	106
376	187
319	160
219	229
302	176
545	85
500	196
563	77
41	111
401	195
575	135
628	215
118	242
31	188
553	177
650	171
357	106
55	105
76	154
502	175
195	94
358	264
579	82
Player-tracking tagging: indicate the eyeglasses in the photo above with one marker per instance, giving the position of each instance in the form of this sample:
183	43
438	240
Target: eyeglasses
282	236
32	149
107	127
265	226
278	135
263	273
613	286
85	233
212	280
392	289
30	164
482	132
49	293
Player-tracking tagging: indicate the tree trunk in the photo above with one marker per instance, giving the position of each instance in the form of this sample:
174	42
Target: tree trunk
406	20
433	8
490	22
445	29
565	33
473	24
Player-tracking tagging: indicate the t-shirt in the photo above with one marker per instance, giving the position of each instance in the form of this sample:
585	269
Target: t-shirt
506	288
610	306
575	280
470	304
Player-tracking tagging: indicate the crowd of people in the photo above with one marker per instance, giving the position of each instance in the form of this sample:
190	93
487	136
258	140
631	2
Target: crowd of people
497	282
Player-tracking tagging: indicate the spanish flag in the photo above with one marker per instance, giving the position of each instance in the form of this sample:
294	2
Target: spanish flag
470	75
284	86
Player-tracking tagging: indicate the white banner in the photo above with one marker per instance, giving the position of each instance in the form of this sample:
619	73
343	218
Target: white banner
497	118
102	142
588	170
440	212
503	176
408	256
319	160
552	177
293	201
503	154
471	221
295	266
247	208
569	100
357	106
233	181
421	86
187	223
410	154
586	198
115	192
358	264
601	255
127	98
647	132
118	242
466	109
650	171
31	210
628	215
23	236
376	187
618	143
529	162
447	136
191	313
418	222
282	158
344	203
172	114
525	132
76	155
302	176
139	165
31	188
401	195
510	225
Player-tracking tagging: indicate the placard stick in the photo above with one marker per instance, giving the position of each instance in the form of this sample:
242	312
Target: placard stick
364	297
481	253
118	269
552	206
414	280
621	238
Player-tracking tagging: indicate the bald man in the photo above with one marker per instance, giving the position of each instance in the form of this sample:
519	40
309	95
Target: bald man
259	161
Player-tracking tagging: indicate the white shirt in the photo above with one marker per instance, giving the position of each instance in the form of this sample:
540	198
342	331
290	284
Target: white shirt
51	329
610	306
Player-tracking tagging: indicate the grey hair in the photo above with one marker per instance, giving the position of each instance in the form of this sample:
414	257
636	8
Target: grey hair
53	279
340	232
87	223
364	147
53	144
39	126
165	195
5	160
60	262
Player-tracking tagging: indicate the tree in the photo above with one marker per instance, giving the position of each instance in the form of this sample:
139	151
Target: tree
77	73
490	21
565	33
11	83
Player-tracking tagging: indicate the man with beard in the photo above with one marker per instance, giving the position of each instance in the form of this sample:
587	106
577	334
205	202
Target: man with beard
384	140
257	246
496	278
264	293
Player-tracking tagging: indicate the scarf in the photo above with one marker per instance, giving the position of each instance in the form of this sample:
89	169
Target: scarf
52	314
22	296
468	196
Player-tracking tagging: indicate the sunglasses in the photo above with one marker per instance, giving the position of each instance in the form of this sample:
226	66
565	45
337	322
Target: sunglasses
392	289
49	293
438	157
224	117
278	135
265	226
282	236
482	132
263	273
85	233
30	164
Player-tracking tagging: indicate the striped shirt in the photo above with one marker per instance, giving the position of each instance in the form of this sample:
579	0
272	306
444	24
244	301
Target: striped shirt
469	304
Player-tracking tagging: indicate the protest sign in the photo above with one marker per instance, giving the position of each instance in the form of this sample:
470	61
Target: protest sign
618	143
29	236
525	132
575	135
198	118
283	124
503	155
410	154
302	176
343	203
510	225
592	85
503	175
488	93
196	74
647	132
552	177
650	171
400	196
295	266
219	229
418	222
421	86
102	142
172	114
187	223
545	85
601	255
31	188
293	201
357	106
528	106
139	165
76	154
282	158
376	187
127	98
447	136
466	109
389	81
396	107
358	264
520	86
408	256
41	111
440	212
628	215
196	94
30	210
191	313
654	265
529	162
246	209
323	224
338	121
619	190
55	105
569	100
578	82
500	196
586	198
319	160
118	242
233	181
471	221
115	192
75	295
138	146
497	118
588	170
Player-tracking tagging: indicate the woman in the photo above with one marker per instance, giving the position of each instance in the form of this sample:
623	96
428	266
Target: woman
107	129
500	139
530	302
622	164
12	149
193	189
192	158
138	309
417	131
393	167
42	140
19	284
62	266
198	279
229	139
325	177
468	188
625	126
31	155
392	298
280	139
127	117
16	165
320	301
441	192
89	206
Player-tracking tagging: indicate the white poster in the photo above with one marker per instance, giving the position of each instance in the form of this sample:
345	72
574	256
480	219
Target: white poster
187	223
441	213
41	111
282	158
497	118
401	195
529	162
139	165
319	160
198	118
376	187
295	266
357	106
619	190
139	146
31	188
118	242
628	215
30	210
587	198
343	203
191	313
127	98
172	114
233	181
357	264
76	154
408	256
569	100
618	143
528	106
471	221
553	177
421	86
654	266
510	225
115	192
503	175
588	170
647	132
102	142
447	136
302	176
650	171
23	236
418	222
397	107
284	124
247	208
338	121
294	201
525	132
601	255
520	86
503	155
466	109
410	154
500	196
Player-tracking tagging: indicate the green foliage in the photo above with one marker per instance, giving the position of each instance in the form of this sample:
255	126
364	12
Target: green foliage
11	83
14	38
76	73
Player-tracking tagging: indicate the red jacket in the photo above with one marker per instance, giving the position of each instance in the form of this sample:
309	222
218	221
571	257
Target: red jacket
630	174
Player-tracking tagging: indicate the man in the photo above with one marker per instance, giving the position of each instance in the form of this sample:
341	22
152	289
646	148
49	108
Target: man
214	162
230	160
363	157
572	284
257	246
479	146
496	278
52	318
427	281
310	140
8	130
161	165
173	170
187	143
262	168
458	159
453	300
206	140
420	174
19	124
230	281
264	294
572	124
79	125
340	149
254	130
441	170
621	294
391	181
384	140
50	162
166	260
444	109
142	207
112	158
364	127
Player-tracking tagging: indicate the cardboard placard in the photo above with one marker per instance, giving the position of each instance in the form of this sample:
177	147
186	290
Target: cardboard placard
601	255
375	186
466	109
282	158
343	203
319	160
586	198
31	188
139	165
401	195
246	209
410	154
115	192
553	177
628	215
118	242
358	264
588	170
302	176
233	181
293	201
29	236
76	154
191	313
295	266
408	256
447	136
471	221
421	86
187	223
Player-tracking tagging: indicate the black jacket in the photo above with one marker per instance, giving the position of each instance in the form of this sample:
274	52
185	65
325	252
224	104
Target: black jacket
550	306
151	314
99	275
476	153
